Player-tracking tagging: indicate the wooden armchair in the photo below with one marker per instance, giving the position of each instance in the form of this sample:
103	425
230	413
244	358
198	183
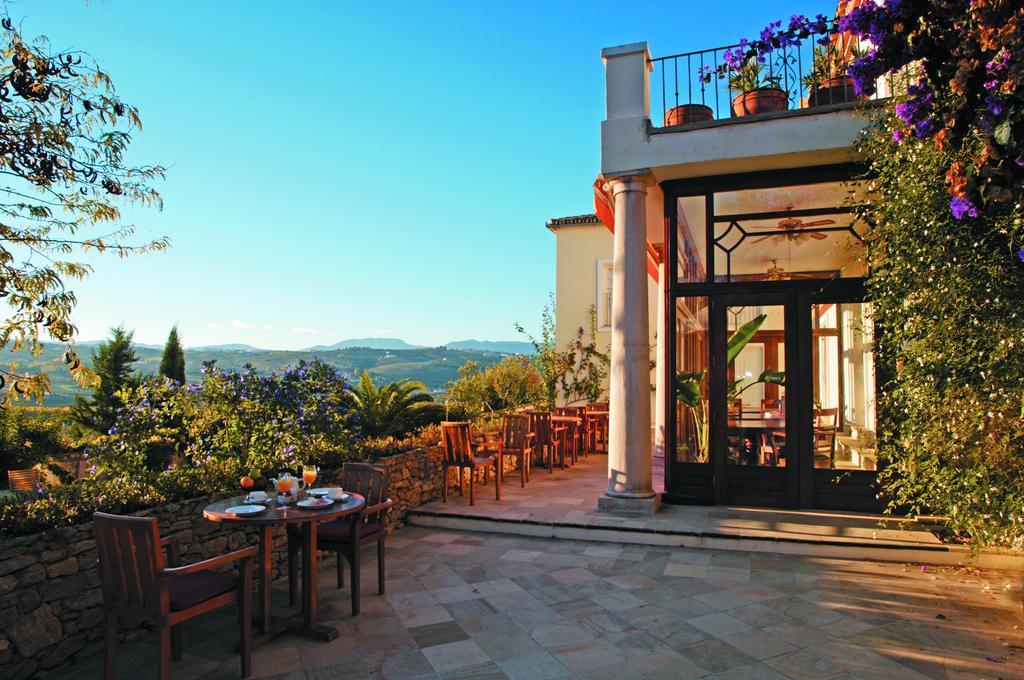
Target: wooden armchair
517	442
574	436
139	585
459	453
347	537
595	420
548	439
825	428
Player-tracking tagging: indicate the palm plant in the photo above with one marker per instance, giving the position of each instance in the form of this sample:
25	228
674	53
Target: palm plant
394	409
689	390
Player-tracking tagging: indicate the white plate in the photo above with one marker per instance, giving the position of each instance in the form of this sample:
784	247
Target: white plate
319	492
245	510
342	498
315	503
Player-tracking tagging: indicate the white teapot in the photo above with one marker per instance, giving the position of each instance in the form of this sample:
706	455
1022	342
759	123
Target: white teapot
287	486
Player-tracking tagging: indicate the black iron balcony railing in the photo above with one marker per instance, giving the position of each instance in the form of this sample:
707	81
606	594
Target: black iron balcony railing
802	75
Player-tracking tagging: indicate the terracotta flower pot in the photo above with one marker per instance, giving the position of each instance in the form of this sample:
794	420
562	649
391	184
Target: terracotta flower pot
688	113
836	90
761	100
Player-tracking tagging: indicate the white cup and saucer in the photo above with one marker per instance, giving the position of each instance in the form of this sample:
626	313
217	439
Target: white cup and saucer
256	497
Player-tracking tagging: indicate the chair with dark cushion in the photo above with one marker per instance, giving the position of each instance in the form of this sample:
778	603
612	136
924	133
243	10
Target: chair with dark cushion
140	585
372	483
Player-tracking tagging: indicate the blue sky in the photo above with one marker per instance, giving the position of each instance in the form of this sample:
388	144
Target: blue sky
348	169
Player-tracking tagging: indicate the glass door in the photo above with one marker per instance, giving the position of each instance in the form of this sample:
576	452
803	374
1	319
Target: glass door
842	438
756	448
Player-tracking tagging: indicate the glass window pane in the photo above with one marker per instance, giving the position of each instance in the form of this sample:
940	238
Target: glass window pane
844	387
691	380
756	433
690	216
783	233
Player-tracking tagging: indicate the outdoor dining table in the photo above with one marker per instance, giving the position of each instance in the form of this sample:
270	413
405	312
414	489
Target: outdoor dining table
306	623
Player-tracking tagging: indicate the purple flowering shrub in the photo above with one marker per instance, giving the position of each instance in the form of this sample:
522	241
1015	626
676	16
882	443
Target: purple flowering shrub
267	423
173	441
747	66
966	61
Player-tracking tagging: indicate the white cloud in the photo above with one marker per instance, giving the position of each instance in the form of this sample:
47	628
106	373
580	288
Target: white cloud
304	329
382	332
212	325
240	324
268	326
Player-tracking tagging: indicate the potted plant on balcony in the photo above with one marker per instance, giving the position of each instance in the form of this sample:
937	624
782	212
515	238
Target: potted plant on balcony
685	114
828	82
759	93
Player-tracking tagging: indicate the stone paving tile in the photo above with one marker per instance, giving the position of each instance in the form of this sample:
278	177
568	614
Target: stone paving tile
587	610
536	666
455	655
438	634
424	616
584	656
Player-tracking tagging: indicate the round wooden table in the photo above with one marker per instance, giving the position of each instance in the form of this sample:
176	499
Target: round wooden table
352	507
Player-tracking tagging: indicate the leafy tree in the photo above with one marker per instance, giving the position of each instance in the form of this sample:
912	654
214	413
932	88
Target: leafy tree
511	382
574	374
172	363
63	136
112	363
394	409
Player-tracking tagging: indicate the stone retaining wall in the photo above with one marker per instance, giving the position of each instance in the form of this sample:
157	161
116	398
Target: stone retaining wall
50	593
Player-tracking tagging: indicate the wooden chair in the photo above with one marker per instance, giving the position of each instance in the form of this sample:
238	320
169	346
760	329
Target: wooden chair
460	454
597	426
139	585
23	480
516	441
573	437
372	482
825	428
548	439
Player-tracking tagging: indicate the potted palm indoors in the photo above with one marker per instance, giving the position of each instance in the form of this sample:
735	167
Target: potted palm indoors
759	92
828	81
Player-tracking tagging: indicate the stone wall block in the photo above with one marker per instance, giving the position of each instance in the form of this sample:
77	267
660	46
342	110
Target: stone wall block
35	631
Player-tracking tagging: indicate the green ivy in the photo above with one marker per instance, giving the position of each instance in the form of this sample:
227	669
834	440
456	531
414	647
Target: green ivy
948	297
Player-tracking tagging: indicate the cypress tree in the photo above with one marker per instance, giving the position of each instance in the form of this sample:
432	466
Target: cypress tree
112	362
172	363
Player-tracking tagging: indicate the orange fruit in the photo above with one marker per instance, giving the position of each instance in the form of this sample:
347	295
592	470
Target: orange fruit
247	482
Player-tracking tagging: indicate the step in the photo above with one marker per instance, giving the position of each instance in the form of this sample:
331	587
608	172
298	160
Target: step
810	546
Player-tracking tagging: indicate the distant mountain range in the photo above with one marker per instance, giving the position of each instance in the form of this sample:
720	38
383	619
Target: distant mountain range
499	346
393	359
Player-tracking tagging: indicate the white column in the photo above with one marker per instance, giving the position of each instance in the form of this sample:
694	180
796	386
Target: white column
629	422
661	360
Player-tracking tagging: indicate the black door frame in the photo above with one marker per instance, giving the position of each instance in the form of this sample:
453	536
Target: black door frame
702	483
789	477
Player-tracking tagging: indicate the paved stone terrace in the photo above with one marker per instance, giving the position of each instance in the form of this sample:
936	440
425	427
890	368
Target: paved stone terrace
463	605
569	496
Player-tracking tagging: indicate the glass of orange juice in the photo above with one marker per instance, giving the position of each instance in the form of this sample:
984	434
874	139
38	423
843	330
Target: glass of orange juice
309	473
284	487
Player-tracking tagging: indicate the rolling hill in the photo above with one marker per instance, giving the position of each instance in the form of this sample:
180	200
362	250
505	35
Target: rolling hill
434	366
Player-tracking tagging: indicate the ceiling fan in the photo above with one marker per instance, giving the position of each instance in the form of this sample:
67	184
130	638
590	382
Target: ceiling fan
777	273
795	229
